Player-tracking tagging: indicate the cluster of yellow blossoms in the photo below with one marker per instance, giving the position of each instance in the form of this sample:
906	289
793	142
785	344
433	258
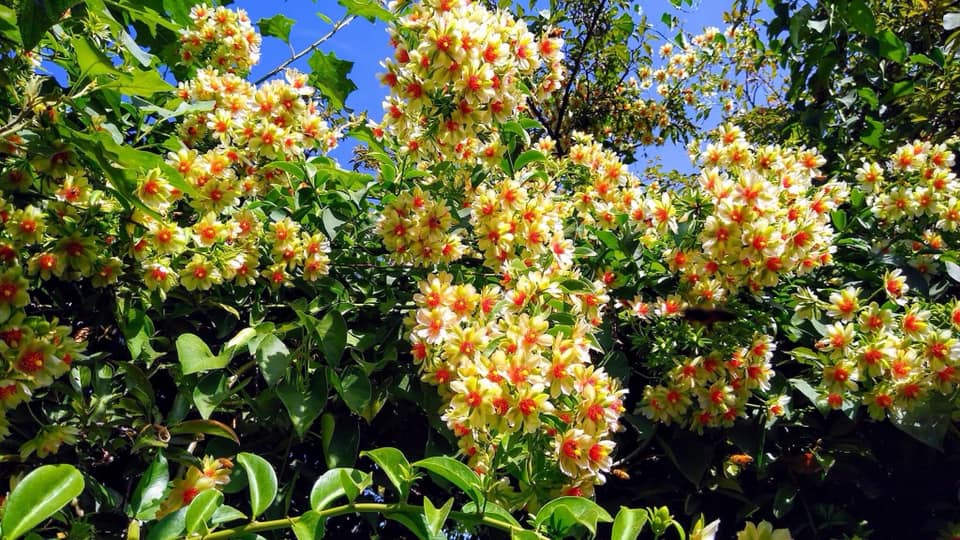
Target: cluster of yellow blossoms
457	70
766	218
246	130
889	357
416	230
513	361
221	38
713	390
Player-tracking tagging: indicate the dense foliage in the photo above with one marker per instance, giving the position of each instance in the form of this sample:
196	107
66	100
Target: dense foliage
496	323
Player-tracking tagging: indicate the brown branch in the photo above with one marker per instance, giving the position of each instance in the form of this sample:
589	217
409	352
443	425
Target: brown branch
576	70
313	46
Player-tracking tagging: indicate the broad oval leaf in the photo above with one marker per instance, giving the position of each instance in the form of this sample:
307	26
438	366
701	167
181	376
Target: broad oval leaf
336	483
195	356
629	523
456	473
393	464
38	496
563	513
262	480
309	526
340	440
201	509
146	496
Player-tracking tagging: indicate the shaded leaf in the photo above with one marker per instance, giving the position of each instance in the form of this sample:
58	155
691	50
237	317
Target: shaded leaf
146	497
207	427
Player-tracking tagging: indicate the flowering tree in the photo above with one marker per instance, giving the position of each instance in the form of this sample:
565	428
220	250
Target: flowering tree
209	328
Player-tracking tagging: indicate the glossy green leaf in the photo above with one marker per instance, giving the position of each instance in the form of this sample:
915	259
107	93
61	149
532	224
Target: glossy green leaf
393	464
277	26
491	509
195	356
34	18
354	387
368	9
207	427
336	483
304	406
892	47
210	391
456	473
262	481
629	523
273	358
38	496
146	497
170	527
340	439
309	526
332	331
329	76
783	500
225	514
436	517
563	513
201	509
861	18
530	156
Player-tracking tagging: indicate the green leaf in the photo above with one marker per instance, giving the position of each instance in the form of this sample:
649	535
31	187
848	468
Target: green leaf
210	391
354	388
336	483
226	514
871	136
927	422
146	497
201	509
783	500
35	17
861	18
393	464
329	76
332	331
436	517
492	509
563	513
207	427
274	358
179	10
262	480
304	407
309	526
368	9
892	47
530	156
340	440
92	62
629	523
277	26
869	97
38	496
456	473
195	356
170	527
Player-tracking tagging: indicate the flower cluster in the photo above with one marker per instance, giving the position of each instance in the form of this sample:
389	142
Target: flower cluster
220	37
916	195
458	69
519	219
713	390
213	474
513	366
765	218
890	357
247	129
416	230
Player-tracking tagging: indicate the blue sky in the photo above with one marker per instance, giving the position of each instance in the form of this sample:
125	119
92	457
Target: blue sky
365	44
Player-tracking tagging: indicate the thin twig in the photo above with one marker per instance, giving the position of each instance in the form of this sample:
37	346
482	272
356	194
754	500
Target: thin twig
576	70
336	27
